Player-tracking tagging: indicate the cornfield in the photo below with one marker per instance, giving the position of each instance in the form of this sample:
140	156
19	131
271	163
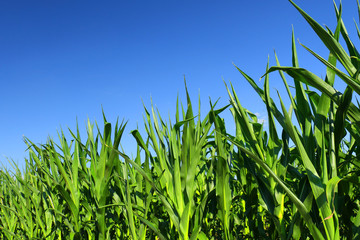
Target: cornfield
191	179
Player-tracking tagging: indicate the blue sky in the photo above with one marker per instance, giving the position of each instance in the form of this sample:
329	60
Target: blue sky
62	60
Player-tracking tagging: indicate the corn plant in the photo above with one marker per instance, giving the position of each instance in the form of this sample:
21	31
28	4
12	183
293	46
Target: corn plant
182	170
328	168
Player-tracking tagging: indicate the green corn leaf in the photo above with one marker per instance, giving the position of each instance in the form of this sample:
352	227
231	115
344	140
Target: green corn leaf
313	80
353	82
351	47
330	42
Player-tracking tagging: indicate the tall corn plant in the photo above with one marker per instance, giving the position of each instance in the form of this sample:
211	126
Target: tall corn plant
181	170
330	170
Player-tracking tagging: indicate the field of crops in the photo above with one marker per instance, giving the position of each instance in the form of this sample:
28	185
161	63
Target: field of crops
192	179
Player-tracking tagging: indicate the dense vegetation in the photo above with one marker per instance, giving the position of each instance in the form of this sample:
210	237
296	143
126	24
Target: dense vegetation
192	179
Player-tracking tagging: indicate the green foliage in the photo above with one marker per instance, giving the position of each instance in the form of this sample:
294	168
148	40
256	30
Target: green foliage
192	179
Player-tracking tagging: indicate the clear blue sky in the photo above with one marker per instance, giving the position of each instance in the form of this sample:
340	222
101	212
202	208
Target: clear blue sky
62	60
